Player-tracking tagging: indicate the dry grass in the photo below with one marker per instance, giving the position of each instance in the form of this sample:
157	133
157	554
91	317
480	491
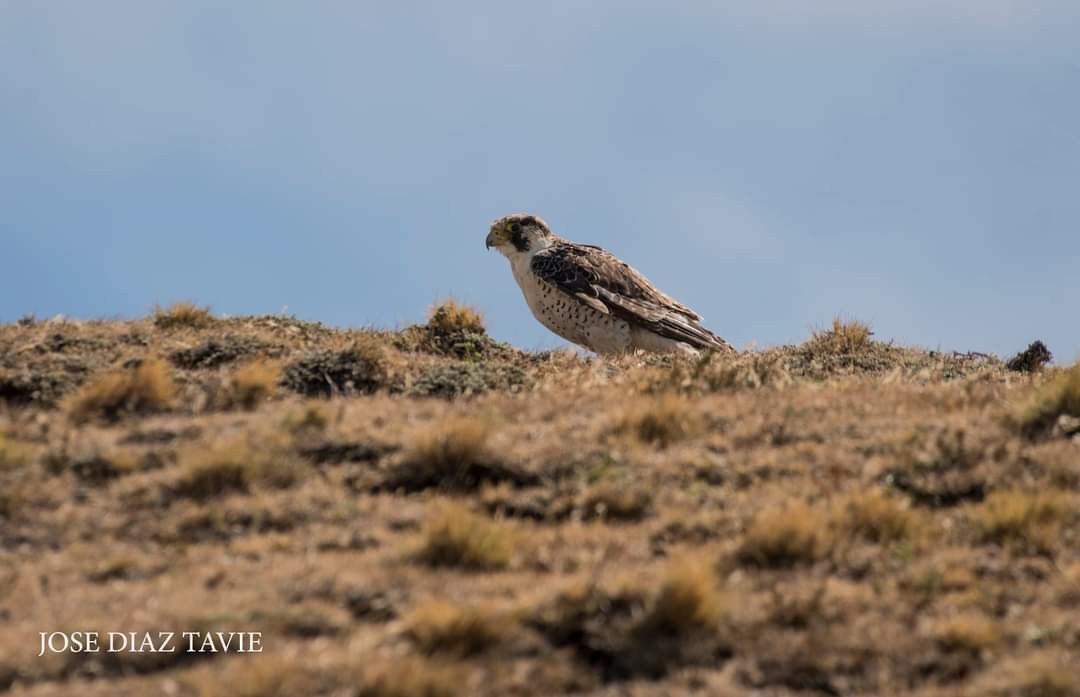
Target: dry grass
456	537
144	389
843	337
969	632
453	454
1028	521
451	317
439	627
688	601
182	315
1043	674
874	517
786	535
661	421
876	526
412	677
1058	398
252	383
617	502
235	467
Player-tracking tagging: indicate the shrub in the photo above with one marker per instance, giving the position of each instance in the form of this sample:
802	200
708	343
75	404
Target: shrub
1030	360
361	368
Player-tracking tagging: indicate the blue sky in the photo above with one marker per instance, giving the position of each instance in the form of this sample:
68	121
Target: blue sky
913	164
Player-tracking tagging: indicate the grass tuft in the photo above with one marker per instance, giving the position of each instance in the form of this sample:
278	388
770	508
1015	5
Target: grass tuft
453	454
251	384
617	502
451	317
970	632
876	518
1058	398
786	536
182	315
439	627
1023	520
146	388
661	421
842	338
456	537
235	467
687	602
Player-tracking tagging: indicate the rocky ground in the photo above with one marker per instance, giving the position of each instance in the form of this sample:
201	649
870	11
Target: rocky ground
428	513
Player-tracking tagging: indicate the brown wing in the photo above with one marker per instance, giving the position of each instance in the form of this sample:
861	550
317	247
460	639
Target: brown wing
598	277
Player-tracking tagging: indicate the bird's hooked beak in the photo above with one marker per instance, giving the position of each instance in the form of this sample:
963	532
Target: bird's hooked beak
495	237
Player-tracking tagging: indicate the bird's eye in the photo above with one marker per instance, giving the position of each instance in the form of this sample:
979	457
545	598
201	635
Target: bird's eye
515	227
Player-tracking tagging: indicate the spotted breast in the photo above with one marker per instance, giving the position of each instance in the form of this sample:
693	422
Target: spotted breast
571	318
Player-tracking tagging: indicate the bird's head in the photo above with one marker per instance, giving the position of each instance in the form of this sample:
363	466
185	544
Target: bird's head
519	233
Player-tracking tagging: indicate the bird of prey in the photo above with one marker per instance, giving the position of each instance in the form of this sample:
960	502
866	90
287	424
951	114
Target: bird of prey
590	297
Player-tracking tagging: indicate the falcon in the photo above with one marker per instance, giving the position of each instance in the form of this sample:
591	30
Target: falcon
590	297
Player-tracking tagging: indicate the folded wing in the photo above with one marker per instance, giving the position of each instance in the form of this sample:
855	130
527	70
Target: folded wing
601	280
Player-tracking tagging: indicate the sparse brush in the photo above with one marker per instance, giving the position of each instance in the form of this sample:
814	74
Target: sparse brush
970	632
454	536
451	317
1056	399
185	315
439	627
844	337
785	536
235	467
1030	360
875	517
663	420
252	383
361	368
1026	520
144	389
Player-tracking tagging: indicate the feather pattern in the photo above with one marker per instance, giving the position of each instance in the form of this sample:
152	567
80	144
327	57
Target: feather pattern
601	280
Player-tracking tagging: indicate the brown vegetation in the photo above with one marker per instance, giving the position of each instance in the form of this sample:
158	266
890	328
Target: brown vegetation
429	513
143	389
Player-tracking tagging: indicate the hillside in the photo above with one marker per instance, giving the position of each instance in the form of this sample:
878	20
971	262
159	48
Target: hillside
430	513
